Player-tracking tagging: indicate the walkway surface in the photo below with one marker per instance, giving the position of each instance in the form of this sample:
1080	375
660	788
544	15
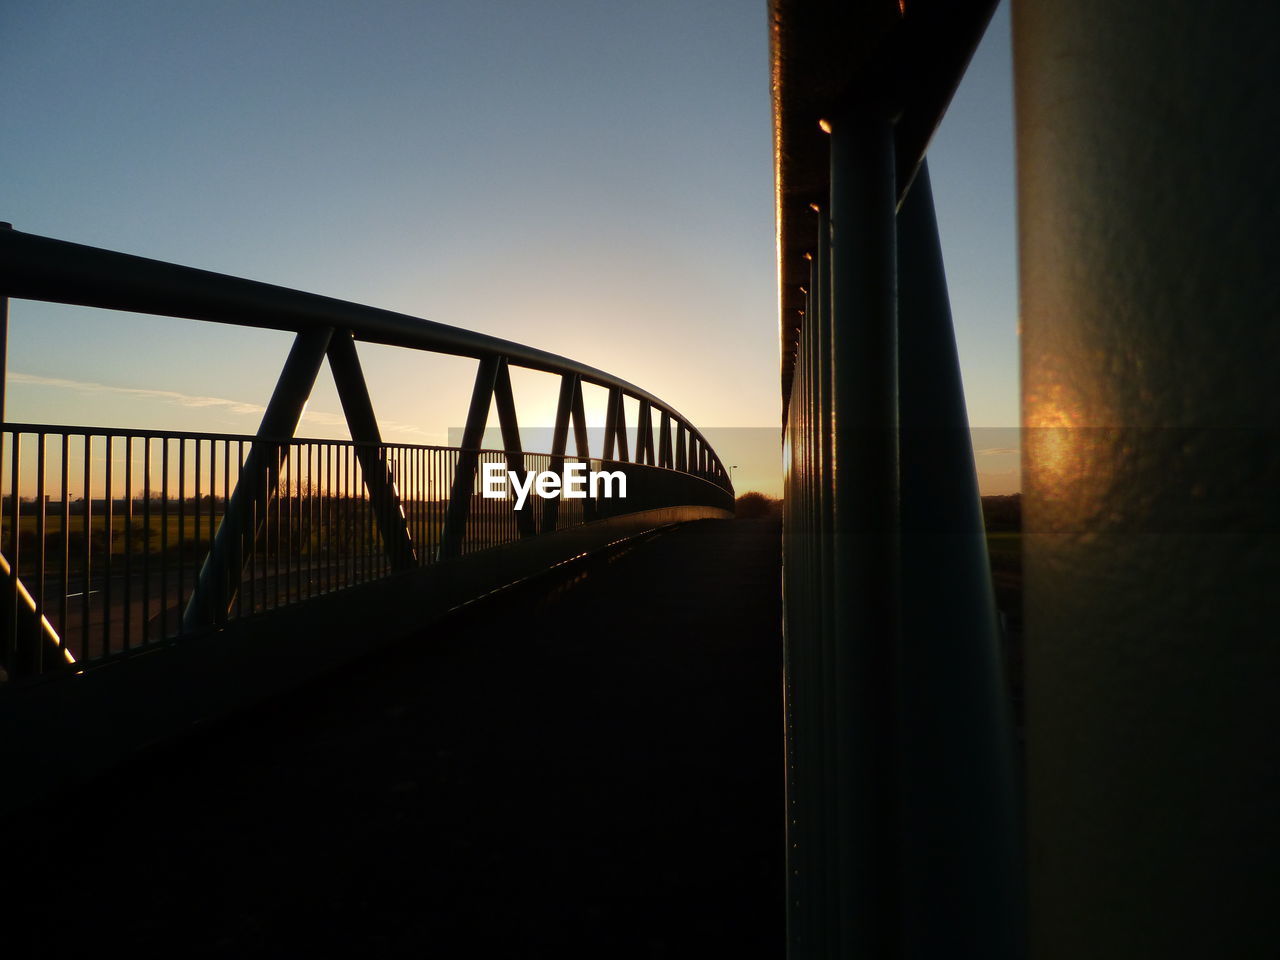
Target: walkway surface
588	765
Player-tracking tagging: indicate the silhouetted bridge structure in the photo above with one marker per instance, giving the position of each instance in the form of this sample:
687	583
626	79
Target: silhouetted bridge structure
590	760
158	580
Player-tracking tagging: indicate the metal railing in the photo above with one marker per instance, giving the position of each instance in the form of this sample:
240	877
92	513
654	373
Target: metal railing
902	806
114	539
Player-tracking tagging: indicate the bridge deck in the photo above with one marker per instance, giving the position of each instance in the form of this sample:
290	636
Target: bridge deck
592	762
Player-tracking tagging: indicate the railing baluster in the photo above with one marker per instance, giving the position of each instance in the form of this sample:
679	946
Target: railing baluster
164	538
330	518
146	545
311	519
108	540
182	531
362	512
250	536
65	563
293	523
243	540
8	636
213	499
195	525
285	522
127	587
37	653
15	552
301	574
238	535
347	522
318	532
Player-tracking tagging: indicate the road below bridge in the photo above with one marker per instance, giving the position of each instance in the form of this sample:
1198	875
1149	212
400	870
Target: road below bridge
587	764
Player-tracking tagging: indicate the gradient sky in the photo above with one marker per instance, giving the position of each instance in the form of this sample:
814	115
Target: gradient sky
594	179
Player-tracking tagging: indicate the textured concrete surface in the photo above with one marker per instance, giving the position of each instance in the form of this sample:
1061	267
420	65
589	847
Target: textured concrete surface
588	765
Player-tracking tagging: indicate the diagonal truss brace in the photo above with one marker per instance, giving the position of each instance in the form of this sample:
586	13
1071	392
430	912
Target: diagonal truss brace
464	475
384	498
644	434
615	426
569	389
219	578
664	440
504	400
223	568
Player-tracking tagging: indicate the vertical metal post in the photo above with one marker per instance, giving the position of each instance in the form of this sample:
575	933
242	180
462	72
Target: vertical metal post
9	615
960	863
682	450
861	912
127	577
811	687
797	873
108	539
504	400
824	589
464	477
559	439
8	586
384	498
1151	465
4	353
65	564
14	621
219	578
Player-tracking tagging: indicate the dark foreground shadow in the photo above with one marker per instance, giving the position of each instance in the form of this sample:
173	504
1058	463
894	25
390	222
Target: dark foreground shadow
588	765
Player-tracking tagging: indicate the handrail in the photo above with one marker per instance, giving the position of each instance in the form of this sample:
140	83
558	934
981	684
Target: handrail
269	464
58	429
33	267
115	568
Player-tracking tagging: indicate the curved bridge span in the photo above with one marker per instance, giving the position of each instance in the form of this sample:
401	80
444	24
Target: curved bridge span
212	571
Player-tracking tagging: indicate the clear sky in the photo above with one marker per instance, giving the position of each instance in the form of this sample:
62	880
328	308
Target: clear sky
591	178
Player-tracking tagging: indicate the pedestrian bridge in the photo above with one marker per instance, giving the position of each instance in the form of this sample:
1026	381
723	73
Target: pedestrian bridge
561	730
224	568
528	691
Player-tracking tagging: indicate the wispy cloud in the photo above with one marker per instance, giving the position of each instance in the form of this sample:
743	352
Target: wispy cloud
320	418
164	396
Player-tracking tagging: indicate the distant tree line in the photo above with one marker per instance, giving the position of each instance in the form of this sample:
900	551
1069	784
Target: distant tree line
754	506
1003	514
1000	514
